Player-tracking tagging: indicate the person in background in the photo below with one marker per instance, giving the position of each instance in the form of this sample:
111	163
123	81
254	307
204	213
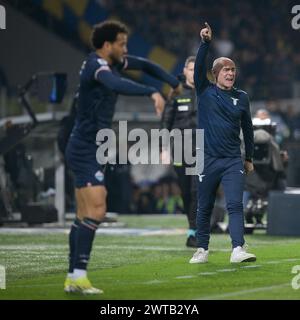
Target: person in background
180	113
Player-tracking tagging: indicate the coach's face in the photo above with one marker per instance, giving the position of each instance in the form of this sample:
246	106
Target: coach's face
226	77
119	48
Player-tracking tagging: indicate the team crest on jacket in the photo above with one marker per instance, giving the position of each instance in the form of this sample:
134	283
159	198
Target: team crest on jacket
201	176
99	176
234	100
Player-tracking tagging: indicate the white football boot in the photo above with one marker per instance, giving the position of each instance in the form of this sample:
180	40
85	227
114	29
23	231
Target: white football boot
200	256
239	254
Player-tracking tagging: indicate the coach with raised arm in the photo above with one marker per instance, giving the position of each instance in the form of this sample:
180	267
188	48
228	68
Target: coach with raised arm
223	111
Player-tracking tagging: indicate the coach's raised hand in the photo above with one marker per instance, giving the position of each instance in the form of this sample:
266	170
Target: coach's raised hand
206	33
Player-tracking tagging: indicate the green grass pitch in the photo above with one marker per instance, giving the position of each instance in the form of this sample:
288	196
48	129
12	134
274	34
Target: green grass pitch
152	266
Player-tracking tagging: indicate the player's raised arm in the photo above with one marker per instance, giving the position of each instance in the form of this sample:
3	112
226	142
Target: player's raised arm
200	77
129	87
122	85
152	69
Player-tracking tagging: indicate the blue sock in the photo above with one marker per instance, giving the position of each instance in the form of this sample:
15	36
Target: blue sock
72	243
85	237
191	233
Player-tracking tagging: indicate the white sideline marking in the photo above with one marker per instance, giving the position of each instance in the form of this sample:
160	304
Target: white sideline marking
153	282
226	270
292	260
35	285
241	267
102	231
24	247
206	273
251	266
144	248
34	247
271	243
242	292
185	277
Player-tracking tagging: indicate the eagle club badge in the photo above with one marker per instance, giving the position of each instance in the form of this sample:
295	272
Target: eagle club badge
234	100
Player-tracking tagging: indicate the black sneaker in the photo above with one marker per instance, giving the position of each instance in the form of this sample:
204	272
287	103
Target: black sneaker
191	242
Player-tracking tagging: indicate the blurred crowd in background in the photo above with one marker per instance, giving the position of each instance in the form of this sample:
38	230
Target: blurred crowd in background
256	34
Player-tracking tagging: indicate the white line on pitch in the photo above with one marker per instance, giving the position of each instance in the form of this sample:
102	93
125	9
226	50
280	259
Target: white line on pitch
251	266
33	248
291	260
153	282
185	277
226	270
242	292
207	273
240	267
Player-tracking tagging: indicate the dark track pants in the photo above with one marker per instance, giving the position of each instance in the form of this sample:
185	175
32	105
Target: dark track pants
188	186
230	173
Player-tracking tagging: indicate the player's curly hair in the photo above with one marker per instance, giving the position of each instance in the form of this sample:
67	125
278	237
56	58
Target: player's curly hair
107	31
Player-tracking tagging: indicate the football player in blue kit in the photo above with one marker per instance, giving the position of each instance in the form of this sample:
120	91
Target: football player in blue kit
223	111
100	84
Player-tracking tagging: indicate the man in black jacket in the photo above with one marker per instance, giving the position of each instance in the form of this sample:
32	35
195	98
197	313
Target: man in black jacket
180	113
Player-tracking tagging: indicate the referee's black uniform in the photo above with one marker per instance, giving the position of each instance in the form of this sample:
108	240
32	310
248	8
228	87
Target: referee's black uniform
180	113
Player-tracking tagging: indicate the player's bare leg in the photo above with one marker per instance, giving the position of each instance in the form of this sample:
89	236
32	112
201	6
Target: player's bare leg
92	210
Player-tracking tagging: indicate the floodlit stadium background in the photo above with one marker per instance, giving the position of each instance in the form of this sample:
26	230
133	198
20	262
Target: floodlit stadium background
53	36
43	36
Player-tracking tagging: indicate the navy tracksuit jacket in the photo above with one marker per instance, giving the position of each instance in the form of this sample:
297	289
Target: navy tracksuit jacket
100	85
